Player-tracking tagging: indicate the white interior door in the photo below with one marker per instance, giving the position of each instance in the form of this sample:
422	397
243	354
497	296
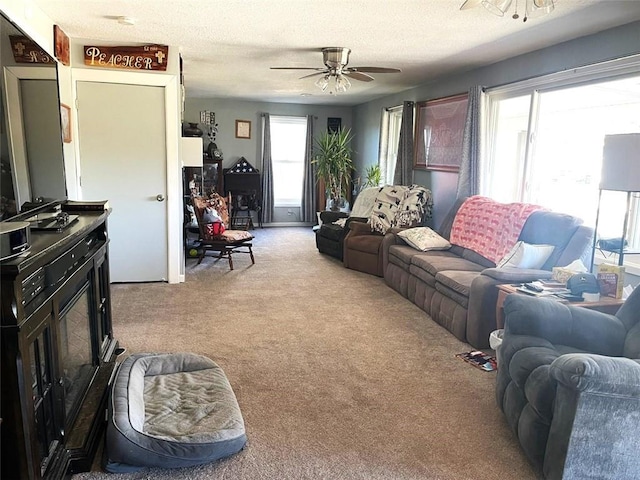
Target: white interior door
122	146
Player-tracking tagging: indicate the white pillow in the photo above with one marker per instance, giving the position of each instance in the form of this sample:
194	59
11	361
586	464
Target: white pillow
526	255
424	239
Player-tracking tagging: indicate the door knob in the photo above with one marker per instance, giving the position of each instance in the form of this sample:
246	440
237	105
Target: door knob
160	197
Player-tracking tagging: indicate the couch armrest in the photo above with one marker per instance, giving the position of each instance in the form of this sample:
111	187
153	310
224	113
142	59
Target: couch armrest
328	216
562	324
516	275
360	228
618	376
351	220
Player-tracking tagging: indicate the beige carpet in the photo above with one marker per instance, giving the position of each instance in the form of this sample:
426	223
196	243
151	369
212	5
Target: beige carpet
337	376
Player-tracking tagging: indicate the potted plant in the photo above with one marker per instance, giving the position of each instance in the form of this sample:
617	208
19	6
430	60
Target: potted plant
373	176
334	164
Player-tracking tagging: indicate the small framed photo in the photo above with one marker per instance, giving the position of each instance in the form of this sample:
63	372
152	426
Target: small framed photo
65	122
61	43
243	129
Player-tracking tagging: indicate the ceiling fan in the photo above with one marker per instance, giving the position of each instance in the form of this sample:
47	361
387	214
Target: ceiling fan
335	60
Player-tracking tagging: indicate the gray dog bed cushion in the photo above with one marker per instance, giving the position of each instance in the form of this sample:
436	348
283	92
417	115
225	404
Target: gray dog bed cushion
171	410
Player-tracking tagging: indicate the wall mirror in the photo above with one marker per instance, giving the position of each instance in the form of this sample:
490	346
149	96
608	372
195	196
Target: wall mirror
31	153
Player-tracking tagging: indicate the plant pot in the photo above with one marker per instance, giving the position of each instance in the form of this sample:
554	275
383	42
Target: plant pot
335	204
191	130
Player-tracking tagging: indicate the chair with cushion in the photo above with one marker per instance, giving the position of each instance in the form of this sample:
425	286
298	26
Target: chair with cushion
334	226
569	385
394	207
213	219
169	411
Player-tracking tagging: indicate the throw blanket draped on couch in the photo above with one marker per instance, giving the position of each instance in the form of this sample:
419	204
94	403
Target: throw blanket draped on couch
489	228
398	206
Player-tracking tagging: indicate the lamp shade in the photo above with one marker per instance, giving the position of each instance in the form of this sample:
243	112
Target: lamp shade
621	163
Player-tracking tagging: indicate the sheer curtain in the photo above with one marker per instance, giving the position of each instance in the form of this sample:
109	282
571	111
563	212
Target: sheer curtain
469	175
404	163
267	171
309	191
383	151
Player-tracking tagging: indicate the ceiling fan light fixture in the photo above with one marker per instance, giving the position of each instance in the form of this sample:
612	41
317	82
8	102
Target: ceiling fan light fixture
342	83
323	82
497	7
541	7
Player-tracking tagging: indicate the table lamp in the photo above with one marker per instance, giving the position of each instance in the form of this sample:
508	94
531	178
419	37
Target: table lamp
620	172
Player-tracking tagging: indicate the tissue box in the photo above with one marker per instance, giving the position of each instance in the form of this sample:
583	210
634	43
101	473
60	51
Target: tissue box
611	280
562	274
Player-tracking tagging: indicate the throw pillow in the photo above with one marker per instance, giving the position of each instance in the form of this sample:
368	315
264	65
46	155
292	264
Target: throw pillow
526	255
424	239
210	215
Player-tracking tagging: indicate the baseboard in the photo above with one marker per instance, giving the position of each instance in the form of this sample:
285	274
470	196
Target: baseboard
288	224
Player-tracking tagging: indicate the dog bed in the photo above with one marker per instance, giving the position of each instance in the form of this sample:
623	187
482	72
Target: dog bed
169	411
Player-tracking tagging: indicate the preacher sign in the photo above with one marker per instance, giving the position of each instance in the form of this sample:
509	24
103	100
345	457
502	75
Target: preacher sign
145	57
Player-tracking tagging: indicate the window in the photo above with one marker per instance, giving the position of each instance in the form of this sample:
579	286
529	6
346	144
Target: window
545	144
288	145
389	140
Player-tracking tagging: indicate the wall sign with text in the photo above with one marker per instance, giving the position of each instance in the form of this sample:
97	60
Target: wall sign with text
144	57
26	50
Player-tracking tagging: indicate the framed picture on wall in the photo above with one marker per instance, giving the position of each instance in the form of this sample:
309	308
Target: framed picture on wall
439	132
334	124
243	129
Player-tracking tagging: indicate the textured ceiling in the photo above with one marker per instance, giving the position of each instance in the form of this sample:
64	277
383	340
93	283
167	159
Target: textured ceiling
228	45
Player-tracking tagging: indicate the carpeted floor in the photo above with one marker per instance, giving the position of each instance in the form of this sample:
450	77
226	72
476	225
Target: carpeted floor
337	376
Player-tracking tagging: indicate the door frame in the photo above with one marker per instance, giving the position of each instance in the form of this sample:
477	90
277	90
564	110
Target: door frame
173	187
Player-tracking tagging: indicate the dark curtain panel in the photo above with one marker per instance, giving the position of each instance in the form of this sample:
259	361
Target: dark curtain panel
308	183
267	171
469	175
404	164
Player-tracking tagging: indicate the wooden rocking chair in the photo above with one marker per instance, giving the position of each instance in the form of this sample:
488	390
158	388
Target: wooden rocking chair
213	217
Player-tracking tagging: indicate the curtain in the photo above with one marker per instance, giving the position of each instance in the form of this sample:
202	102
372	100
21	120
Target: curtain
309	191
404	164
267	171
469	175
383	150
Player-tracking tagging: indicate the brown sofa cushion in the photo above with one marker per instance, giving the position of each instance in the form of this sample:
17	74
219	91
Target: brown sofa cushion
458	281
365	243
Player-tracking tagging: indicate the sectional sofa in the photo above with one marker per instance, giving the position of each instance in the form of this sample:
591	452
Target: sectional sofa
457	287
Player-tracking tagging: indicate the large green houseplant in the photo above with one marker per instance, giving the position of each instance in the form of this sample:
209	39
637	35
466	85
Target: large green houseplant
334	164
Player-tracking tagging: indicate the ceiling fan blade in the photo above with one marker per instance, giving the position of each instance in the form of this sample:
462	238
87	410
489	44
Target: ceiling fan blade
314	74
363	77
375	69
297	68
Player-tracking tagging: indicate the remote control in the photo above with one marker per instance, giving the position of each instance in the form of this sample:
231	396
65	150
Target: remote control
533	288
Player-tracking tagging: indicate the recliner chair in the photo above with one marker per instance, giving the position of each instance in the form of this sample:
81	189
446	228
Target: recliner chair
569	385
330	236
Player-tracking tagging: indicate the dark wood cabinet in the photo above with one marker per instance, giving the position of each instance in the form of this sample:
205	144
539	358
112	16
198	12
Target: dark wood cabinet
244	183
58	353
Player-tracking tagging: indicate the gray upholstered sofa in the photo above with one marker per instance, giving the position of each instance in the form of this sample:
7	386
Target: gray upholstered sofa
569	385
457	287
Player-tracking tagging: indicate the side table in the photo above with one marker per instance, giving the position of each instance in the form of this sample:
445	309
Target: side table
605	304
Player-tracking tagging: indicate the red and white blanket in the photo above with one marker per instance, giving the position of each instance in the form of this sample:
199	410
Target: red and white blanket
488	227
